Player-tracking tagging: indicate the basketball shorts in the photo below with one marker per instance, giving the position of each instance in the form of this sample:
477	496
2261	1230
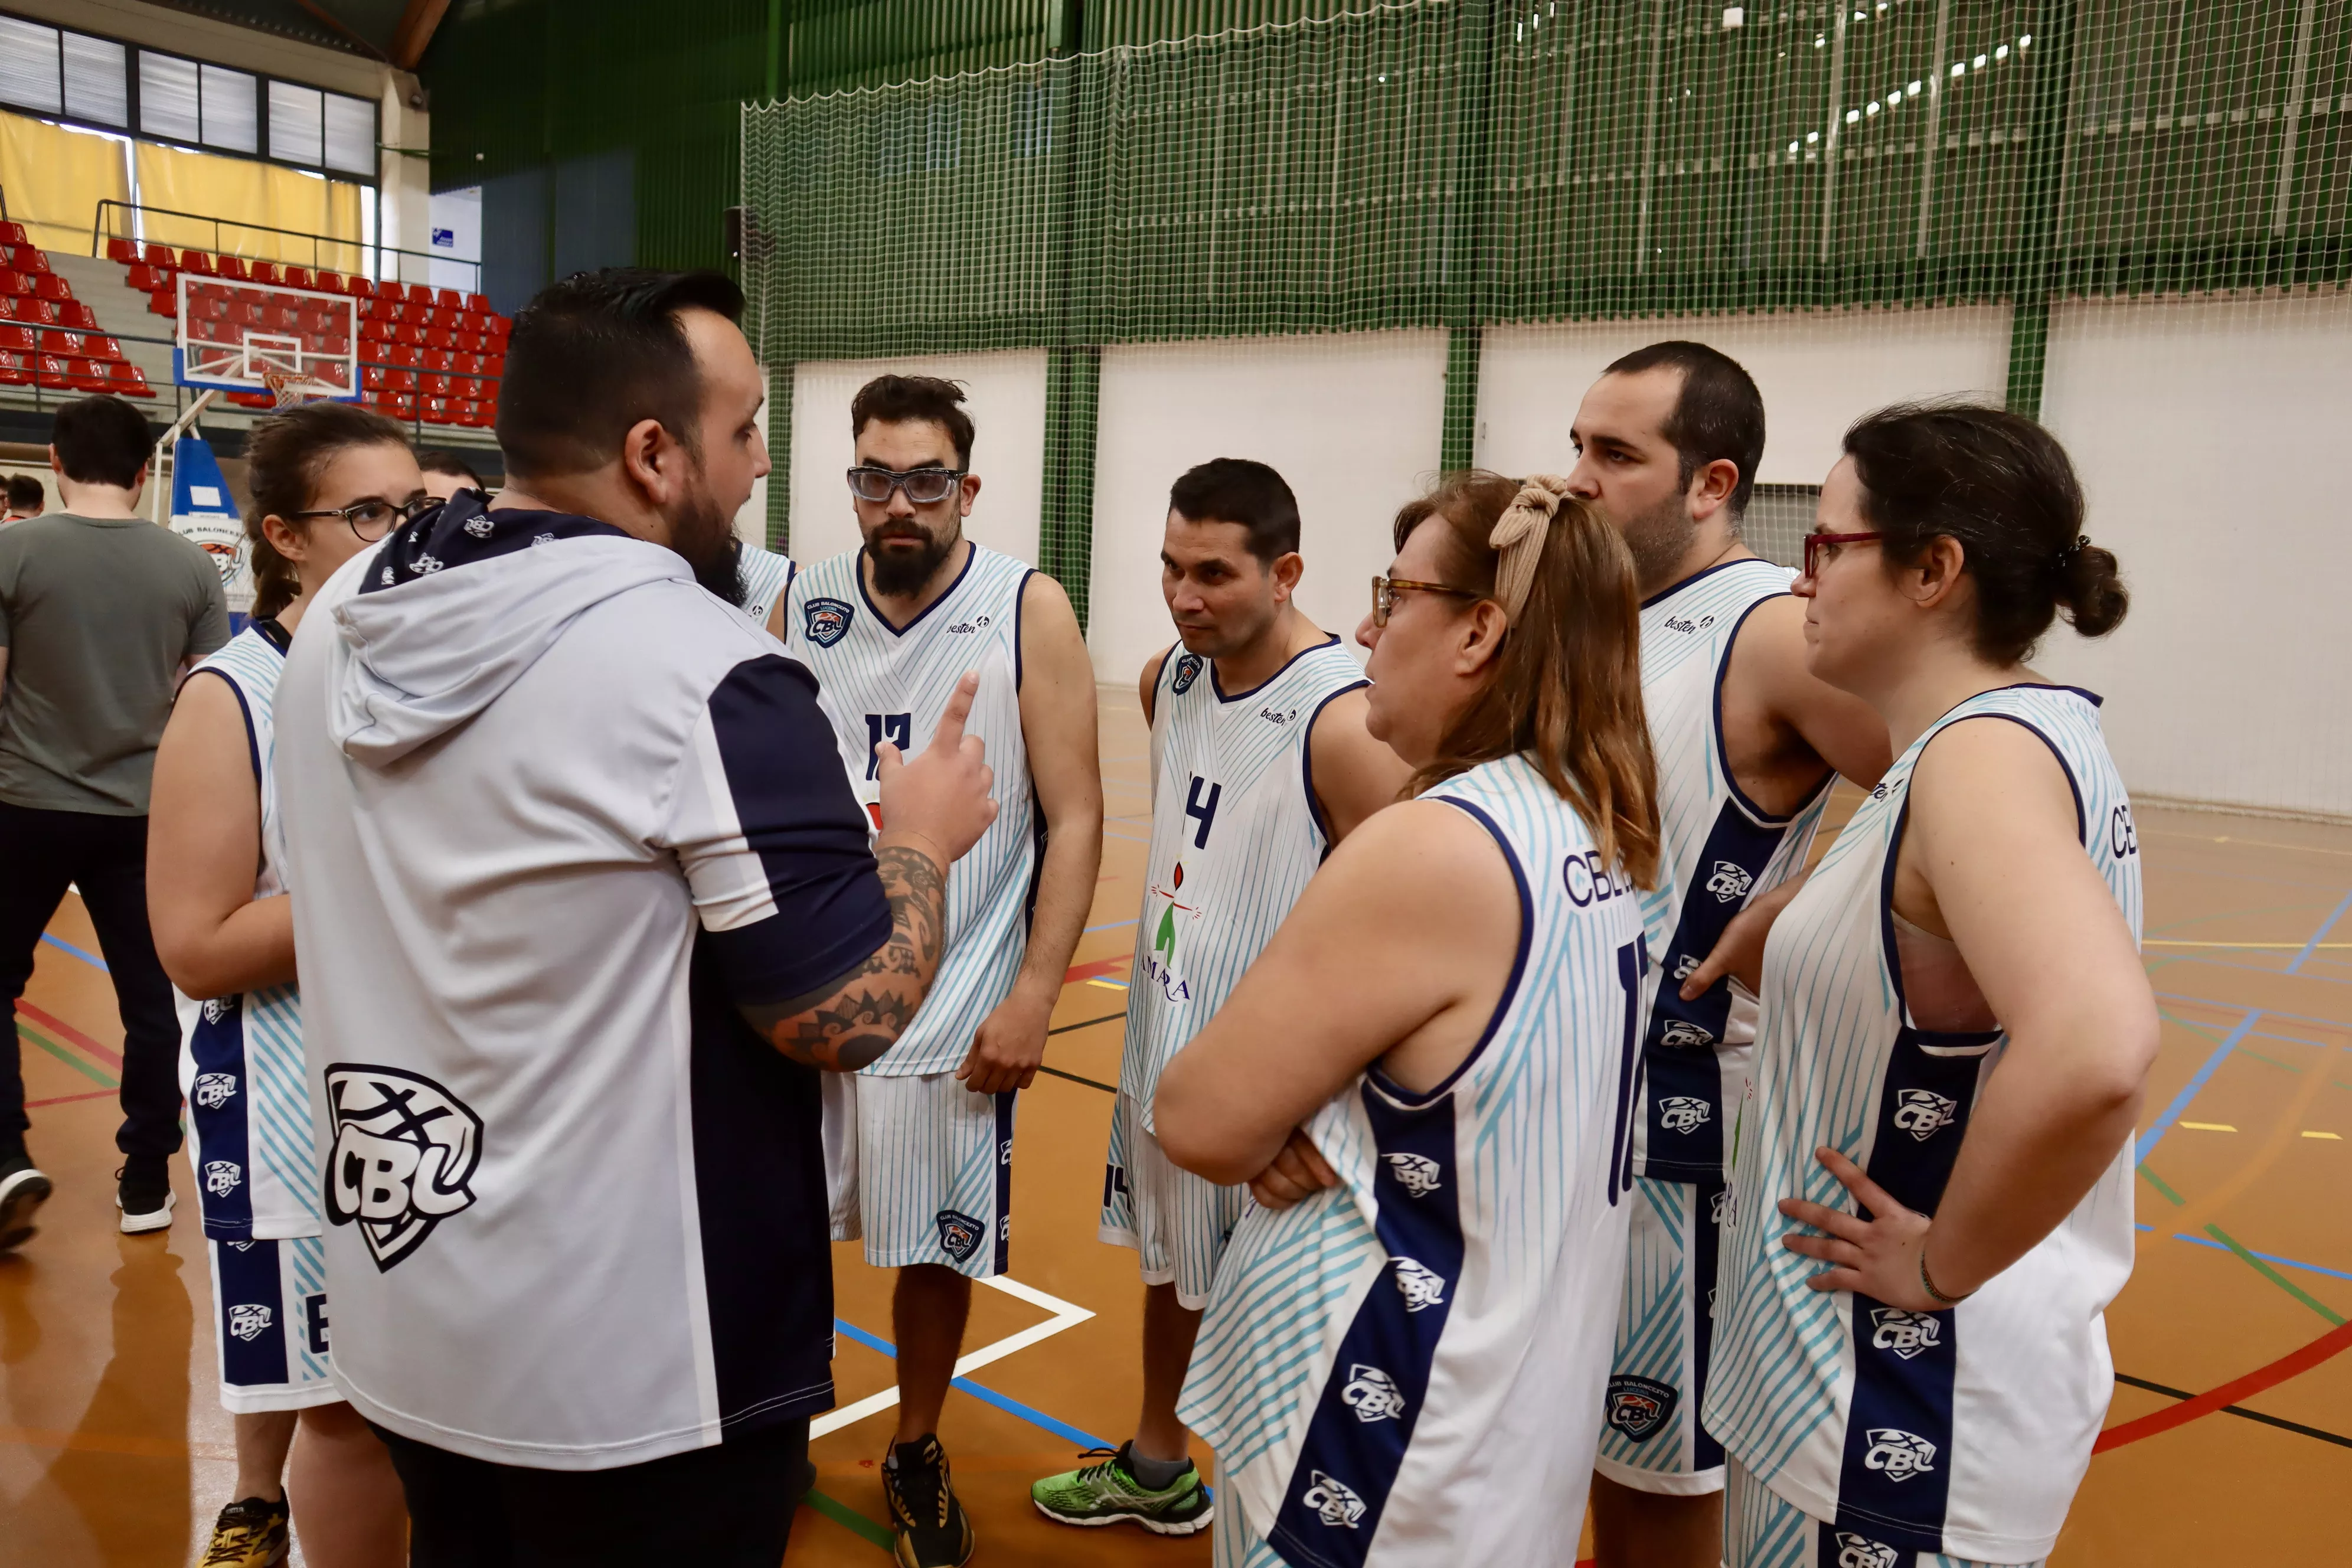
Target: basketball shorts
270	1324
1175	1220
838	1096
1763	1529
1651	1439
1233	1544
934	1174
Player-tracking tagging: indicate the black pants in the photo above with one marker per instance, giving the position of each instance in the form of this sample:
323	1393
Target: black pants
106	856
728	1506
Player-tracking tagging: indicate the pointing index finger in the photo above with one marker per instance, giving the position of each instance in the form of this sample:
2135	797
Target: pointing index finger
948	736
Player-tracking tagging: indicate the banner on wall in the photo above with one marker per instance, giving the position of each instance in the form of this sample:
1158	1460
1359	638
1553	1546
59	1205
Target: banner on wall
203	510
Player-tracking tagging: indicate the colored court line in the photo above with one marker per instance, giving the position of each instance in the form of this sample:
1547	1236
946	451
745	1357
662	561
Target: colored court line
1065	1315
1030	1413
26	1032
849	1518
2189	1092
2306	948
65	1031
2240	1007
1074	1078
1078	972
1114	925
2239	1411
70	1098
2274	1275
2293	1364
2265	1257
2314	944
89	958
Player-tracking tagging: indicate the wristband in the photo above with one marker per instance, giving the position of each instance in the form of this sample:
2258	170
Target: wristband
1929	1285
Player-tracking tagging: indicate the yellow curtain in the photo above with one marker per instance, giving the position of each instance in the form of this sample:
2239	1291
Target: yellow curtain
55	179
259	194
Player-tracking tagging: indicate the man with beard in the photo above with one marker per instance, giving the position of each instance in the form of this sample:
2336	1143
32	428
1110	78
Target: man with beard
1260	763
889	629
1667	443
582	898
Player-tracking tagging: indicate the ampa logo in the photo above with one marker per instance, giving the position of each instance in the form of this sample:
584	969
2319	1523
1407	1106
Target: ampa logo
1420	1285
959	1234
404	1149
1683	1113
1683	1033
1188	670
1638	1406
1331	1501
1906	1333
1861	1552
212	1089
1898	1454
826	621
249	1320
1923	1113
1729	881
1416	1173
1372	1394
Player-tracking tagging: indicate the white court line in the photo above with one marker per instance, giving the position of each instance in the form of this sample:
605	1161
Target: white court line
1067	1315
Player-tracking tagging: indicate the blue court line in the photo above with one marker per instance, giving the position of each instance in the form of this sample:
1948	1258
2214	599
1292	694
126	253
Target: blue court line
1112	926
1006	1403
2265	1257
2325	926
2189	1090
89	958
2236	1006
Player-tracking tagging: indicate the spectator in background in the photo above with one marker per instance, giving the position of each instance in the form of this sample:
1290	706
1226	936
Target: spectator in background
445	474
100	612
25	499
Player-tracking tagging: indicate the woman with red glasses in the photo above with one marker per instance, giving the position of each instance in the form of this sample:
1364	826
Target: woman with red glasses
1931	1204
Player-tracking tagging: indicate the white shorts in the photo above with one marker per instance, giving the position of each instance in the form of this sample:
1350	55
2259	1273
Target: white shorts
1233	1544
837	1094
270	1324
1763	1529
1651	1439
1177	1222
934	1174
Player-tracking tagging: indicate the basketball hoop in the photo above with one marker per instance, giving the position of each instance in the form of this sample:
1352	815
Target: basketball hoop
288	389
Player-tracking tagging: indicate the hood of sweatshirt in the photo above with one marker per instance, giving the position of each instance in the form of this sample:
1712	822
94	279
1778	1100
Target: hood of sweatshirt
457	603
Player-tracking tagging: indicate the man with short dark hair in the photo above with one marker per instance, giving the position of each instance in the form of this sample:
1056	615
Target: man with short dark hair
445	474
1669	441
101	612
593	899
1260	763
889	629
25	499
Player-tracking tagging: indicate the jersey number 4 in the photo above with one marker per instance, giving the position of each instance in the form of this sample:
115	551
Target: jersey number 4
1204	811
897	729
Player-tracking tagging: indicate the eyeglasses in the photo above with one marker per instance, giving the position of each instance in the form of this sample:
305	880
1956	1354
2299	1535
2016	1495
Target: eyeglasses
370	519
1386	589
1820	547
924	487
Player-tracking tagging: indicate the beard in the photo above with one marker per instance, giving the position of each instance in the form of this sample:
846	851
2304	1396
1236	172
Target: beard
705	536
1658	539
902	573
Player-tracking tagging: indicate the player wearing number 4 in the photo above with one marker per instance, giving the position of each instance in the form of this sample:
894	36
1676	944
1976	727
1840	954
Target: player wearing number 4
1260	763
889	629
1956	1030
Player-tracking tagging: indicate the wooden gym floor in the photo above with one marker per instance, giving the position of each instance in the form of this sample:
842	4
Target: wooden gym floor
2229	1432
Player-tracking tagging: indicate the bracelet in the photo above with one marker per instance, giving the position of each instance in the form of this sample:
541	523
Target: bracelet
1929	1285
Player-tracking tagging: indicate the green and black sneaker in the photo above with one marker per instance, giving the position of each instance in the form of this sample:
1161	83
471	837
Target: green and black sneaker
1106	1491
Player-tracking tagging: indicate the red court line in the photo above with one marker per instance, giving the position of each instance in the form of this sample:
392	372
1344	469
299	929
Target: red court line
70	1098
2293	1364
56	1025
1099	966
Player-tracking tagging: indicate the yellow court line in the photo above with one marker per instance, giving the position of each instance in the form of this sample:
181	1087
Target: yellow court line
2206	1126
2331	1137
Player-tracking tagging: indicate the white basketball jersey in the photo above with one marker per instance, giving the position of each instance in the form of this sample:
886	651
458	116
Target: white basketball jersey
878	682
1720	850
241	1056
1390	1371
767	575
1963	1432
1234	839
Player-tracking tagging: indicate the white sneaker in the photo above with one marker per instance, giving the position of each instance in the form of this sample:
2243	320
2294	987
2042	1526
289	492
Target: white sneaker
145	1205
23	1190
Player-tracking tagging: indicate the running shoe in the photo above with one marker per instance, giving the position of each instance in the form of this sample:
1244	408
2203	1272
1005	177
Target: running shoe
248	1534
23	1190
143	1194
1106	1491
930	1523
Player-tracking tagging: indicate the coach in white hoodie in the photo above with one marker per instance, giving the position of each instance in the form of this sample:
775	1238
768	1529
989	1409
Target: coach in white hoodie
582	898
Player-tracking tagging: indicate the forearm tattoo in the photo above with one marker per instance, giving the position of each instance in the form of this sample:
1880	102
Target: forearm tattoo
851	1022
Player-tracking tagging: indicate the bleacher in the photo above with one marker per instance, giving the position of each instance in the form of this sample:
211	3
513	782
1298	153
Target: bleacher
48	339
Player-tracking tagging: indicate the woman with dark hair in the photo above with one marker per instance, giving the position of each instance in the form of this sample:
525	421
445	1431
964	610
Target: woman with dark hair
328	481
1954	1035
1434	1060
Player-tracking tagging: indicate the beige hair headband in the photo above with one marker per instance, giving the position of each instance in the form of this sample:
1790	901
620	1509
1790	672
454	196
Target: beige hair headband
1519	538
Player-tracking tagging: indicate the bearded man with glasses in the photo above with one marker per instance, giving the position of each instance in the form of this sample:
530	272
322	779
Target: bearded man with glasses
921	1162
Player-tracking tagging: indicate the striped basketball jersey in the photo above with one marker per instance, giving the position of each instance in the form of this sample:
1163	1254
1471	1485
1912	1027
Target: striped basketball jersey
1235	835
878	682
1392	1371
767	574
1963	1432
241	1056
1721	851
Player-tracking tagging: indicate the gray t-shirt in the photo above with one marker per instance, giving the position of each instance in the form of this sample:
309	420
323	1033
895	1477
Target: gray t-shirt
97	614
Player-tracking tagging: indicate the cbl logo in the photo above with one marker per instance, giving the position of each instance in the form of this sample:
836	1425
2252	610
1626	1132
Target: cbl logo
826	621
404	1151
1638	1406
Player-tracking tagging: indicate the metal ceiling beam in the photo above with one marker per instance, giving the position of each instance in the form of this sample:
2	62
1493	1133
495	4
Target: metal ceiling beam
415	30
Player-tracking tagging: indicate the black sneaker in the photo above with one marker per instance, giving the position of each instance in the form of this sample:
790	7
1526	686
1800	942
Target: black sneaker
23	1190
928	1521
248	1534
143	1194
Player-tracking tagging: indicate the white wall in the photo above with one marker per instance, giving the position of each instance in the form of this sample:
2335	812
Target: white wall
1351	422
1005	395
459	214
2207	434
1817	370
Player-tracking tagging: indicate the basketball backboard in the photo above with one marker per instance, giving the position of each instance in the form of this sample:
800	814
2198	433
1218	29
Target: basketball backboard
256	338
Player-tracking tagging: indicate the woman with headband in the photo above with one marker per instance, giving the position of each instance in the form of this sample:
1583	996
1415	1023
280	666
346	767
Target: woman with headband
1426	1075
1931	1200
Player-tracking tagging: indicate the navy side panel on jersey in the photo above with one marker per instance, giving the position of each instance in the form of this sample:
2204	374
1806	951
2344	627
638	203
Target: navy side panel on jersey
216	1104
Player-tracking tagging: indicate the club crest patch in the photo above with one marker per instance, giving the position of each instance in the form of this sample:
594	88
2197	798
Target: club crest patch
249	1321
1188	670
959	1234
404	1149
826	621
1638	1406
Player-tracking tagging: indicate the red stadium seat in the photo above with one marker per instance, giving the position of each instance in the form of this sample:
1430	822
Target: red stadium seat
371	377
265	272
123	250
15	368
74	313
436	411
438	359
13	282
231	266
27	258
407	354
49	286
253	400
440	338
420	294
51	373
370	331
331	283
163	303
162	256
412	336
16	339
127	381
296	277
381	309
146	278
399	381
360	288
479	304
197	261
13	234
449	299
433	384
